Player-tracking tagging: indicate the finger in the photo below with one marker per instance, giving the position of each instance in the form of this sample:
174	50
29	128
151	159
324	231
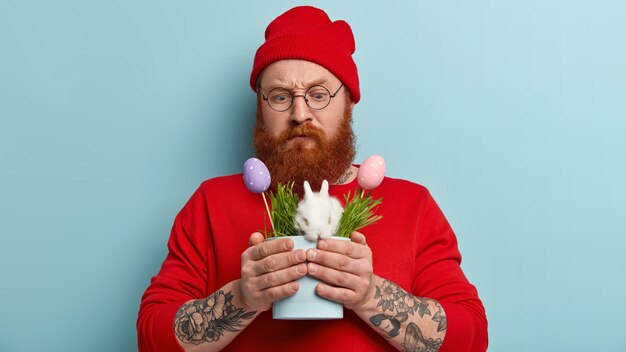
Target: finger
358	237
273	294
337	294
267	248
279	277
278	261
336	261
334	277
255	239
351	249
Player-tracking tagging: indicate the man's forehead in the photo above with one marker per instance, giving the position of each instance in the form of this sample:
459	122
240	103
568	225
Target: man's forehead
295	74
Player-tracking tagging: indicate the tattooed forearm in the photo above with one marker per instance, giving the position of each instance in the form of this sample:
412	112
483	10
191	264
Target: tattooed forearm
398	306
205	320
440	318
414	341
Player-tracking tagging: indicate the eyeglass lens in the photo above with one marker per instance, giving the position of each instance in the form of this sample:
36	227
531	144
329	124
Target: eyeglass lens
316	97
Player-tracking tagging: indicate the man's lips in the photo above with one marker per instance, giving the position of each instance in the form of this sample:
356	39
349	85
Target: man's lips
304	135
302	140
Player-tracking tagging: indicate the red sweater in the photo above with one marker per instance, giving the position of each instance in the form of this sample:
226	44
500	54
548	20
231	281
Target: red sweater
413	246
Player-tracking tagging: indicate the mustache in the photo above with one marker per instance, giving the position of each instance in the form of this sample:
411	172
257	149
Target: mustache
303	130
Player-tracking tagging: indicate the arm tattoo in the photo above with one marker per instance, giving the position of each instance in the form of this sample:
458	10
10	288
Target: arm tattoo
400	305
414	341
205	320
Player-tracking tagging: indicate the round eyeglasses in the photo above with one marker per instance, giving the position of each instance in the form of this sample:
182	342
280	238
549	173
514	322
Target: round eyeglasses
316	97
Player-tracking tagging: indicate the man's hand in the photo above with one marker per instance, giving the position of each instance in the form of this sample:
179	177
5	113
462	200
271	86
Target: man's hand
345	265
269	270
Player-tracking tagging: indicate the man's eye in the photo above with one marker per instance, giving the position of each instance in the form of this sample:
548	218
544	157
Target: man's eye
281	98
318	96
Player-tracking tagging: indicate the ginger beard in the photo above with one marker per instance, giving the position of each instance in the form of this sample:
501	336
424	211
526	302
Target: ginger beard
328	159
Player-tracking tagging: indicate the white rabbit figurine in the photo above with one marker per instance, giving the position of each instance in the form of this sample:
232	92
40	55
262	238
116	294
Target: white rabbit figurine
318	214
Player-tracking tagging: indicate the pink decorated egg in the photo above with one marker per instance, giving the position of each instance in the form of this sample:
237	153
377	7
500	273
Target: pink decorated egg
256	175
371	172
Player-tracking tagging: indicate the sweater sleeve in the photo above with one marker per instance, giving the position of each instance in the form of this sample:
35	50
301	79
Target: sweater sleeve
439	276
183	276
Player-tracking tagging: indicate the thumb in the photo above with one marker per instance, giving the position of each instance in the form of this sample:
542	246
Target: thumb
358	237
256	238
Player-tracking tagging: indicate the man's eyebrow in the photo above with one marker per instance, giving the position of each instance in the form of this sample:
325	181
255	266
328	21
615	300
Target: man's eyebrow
283	84
317	82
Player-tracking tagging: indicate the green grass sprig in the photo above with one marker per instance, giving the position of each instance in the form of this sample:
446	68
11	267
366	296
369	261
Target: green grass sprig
284	204
358	212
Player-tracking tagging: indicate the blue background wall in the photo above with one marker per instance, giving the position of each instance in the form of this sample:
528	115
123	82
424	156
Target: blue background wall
511	112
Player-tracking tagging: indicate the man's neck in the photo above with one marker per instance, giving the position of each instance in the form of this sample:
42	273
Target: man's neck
347	176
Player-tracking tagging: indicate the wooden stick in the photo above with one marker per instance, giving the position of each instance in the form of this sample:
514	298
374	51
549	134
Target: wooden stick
268	211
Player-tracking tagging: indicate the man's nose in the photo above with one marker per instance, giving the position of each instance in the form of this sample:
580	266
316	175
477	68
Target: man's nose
300	111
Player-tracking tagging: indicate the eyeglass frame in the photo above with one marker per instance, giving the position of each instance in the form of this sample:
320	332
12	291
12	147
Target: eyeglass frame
293	96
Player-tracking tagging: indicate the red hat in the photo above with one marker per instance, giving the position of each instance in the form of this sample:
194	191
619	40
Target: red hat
307	33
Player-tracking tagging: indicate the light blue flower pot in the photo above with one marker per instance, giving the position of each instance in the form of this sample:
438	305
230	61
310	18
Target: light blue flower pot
305	304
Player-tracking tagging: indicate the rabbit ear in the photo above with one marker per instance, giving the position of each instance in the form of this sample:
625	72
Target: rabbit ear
324	189
307	189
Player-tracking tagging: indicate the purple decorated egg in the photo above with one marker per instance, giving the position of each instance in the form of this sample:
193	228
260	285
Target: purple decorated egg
371	172
256	175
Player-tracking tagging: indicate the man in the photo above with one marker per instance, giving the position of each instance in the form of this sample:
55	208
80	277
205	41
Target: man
400	280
